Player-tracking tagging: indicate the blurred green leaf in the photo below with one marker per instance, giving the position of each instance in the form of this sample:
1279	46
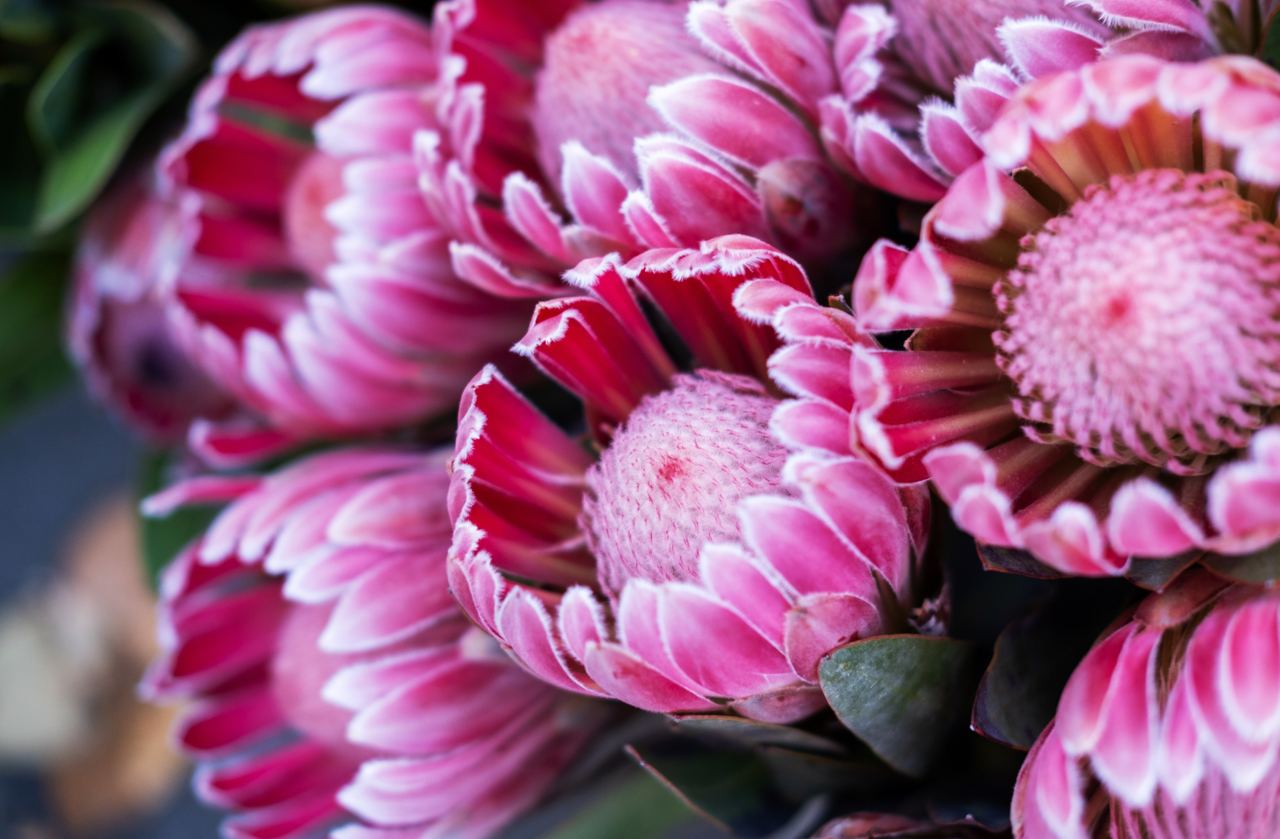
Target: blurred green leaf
1258	568
54	101
91	140
637	806
31	357
731	789
116	64
902	695
27	21
163	537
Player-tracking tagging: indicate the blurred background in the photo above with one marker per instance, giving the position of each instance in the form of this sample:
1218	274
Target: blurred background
87	90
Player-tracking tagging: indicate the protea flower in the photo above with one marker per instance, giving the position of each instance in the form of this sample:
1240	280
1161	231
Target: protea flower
1176	30
331	675
337	311
118	332
671	555
533	166
1170	727
865	78
1091	376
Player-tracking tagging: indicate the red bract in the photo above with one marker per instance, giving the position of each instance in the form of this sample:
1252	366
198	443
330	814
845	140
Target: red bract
336	311
1092	373
1169	727
673	556
331	673
118	329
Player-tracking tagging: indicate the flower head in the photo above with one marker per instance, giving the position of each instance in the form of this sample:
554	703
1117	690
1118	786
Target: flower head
118	329
533	165
919	83
1091	376
1170	726
336	311
1175	30
673	555
331	674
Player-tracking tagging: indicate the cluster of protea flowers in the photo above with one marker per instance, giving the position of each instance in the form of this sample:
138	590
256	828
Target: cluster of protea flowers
373	223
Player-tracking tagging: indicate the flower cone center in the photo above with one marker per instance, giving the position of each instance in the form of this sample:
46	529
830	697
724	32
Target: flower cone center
671	479
1142	324
596	75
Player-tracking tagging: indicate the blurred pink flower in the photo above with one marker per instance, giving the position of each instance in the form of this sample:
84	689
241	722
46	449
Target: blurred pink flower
336	311
919	83
1092	375
118	330
1170	727
331	674
673	555
1175	30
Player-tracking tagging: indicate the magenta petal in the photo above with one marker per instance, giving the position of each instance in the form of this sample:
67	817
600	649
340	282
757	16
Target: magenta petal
742	662
1041	47
621	673
525	625
735	119
1146	520
390	603
885	161
819	623
732	575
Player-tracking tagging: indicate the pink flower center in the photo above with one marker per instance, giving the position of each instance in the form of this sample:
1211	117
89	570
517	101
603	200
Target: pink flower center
316	183
671	479
299	672
596	75
1142	324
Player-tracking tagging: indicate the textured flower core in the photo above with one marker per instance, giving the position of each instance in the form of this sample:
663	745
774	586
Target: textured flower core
671	479
299	671
597	72
315	184
1141	325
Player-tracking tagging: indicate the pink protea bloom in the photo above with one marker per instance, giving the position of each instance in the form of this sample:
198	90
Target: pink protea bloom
673	555
1169	727
337	312
1092	375
1176	30
533	165
918	84
330	674
118	329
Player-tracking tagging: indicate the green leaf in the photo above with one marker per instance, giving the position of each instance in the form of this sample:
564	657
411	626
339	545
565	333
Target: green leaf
1035	656
1258	568
1269	51
159	48
1015	561
902	695
31	301
636	806
163	537
55	98
752	733
120	61
26	21
731	789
